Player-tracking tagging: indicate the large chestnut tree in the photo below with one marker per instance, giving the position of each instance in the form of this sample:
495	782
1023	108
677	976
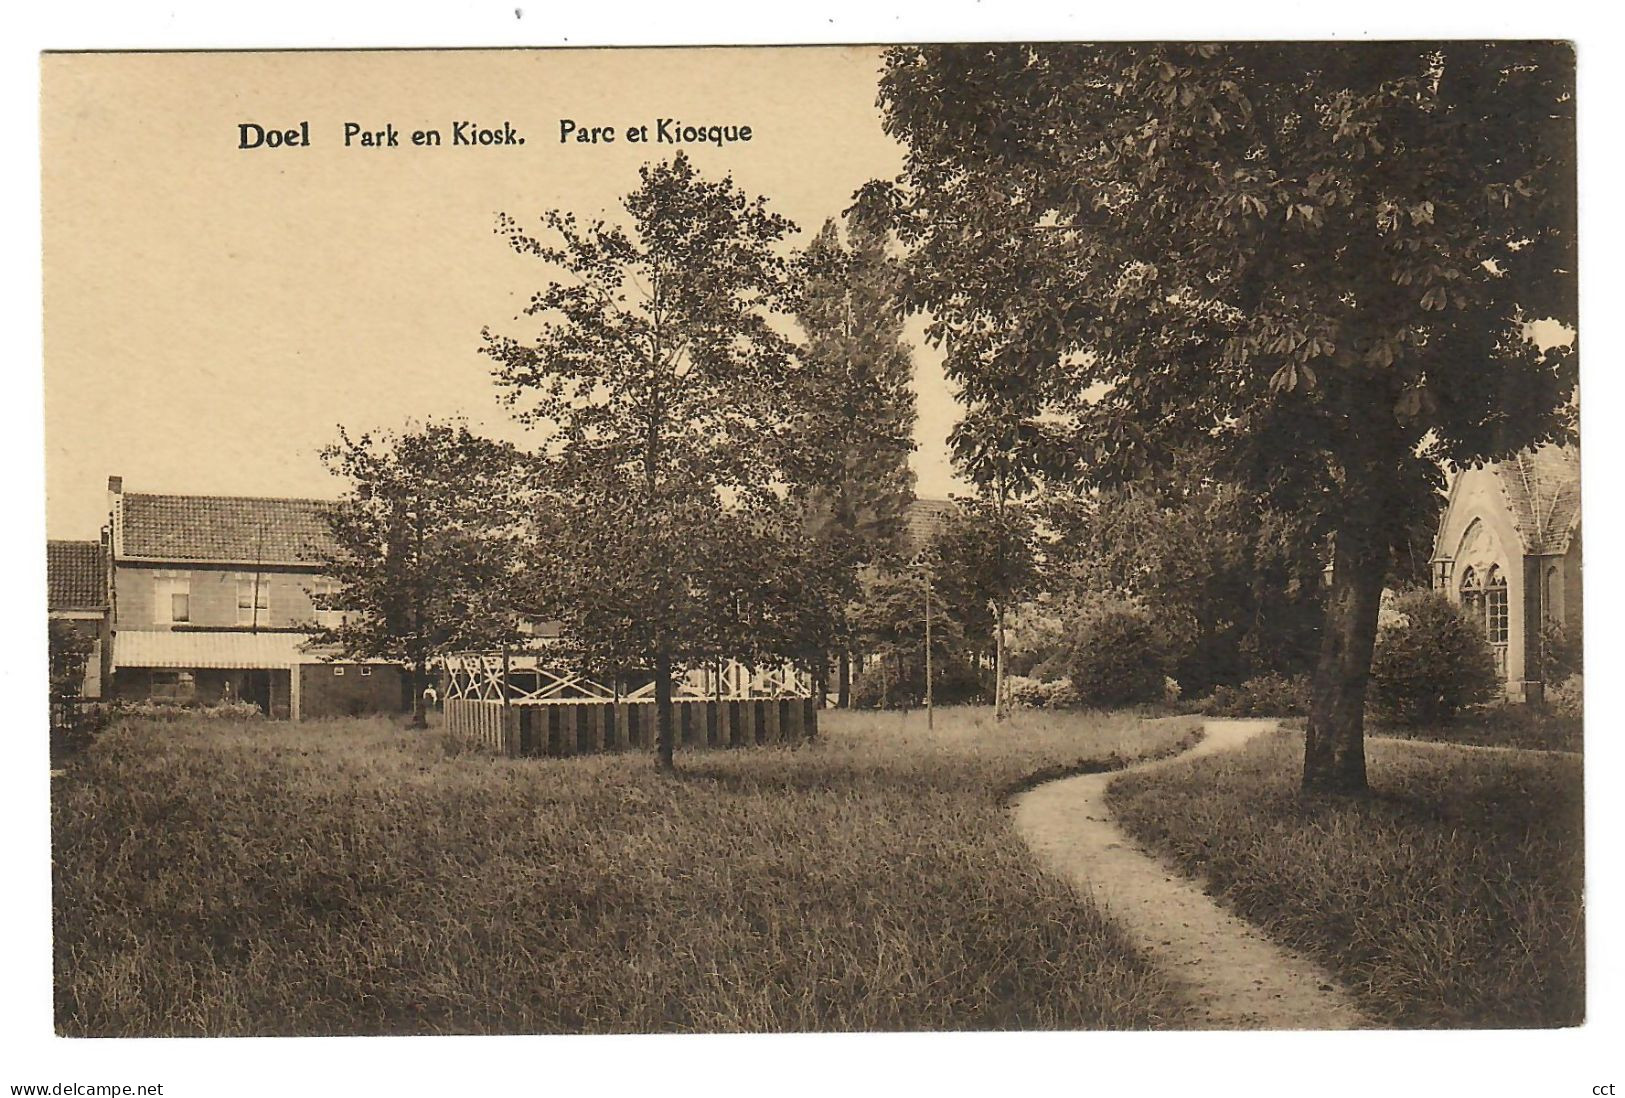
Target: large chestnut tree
1322	261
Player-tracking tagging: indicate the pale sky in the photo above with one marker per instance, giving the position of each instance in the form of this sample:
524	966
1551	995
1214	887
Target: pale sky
211	313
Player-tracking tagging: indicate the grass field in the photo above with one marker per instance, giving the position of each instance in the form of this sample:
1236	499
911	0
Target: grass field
1451	897
353	877
1523	726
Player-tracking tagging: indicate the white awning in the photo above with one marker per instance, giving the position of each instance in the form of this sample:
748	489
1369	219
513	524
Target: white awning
136	648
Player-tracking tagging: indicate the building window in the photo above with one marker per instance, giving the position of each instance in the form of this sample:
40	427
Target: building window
172	601
324	598
365	670
1472	596
1484	601
338	670
173	686
253	602
1495	607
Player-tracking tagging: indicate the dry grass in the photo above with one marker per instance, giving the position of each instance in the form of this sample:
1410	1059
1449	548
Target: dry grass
352	877
1453	896
1501	725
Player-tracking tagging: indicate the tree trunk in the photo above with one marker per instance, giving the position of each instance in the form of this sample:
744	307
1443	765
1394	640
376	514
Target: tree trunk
1334	745
843	688
420	677
663	714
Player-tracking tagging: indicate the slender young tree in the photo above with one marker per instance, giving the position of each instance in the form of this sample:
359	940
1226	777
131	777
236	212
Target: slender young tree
1324	261
1000	445
427	545
985	554
853	416
659	382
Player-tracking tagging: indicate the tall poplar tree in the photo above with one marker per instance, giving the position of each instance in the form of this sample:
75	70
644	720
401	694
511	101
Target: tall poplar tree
854	415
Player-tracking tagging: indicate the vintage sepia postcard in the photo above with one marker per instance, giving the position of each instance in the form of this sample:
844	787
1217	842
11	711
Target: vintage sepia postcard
813	540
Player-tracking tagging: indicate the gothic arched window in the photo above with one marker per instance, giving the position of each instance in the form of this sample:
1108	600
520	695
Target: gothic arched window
1495	607
1472	595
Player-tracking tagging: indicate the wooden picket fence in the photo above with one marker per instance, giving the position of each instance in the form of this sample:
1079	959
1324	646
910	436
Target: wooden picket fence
585	727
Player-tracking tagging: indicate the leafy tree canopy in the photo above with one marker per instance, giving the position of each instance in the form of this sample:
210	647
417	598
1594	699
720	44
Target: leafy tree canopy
659	378
427	543
1322	260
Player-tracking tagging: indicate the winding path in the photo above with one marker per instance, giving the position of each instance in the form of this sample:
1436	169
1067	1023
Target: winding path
1232	975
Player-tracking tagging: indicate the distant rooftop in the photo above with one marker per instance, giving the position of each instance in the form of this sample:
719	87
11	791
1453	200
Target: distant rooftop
75	578
923	521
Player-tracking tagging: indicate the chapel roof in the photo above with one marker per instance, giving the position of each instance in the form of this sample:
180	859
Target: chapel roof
1542	490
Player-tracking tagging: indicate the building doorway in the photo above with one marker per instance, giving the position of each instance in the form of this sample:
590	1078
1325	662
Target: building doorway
257	689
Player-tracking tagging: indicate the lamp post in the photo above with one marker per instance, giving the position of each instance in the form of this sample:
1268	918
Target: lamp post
929	710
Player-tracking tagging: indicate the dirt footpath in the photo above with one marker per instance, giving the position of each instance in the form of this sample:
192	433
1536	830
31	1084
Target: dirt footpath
1233	976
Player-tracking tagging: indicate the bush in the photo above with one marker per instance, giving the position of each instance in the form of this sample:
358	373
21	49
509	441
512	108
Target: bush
1560	656
879	687
1430	663
1061	694
958	682
1035	638
1024	692
1029	693
1271	695
962	683
150	710
1117	660
1567	698
75	726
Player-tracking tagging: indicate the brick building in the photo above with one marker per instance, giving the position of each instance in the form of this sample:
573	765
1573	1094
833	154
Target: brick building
210	599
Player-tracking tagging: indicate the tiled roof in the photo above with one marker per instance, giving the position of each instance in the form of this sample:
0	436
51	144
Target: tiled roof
1542	490
923	521
74	576
238	529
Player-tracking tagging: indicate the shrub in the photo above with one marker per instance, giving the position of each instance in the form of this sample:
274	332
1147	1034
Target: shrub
69	651
150	710
75	726
1117	660
882	686
1029	693
238	710
1560	656
1170	690
1271	695
1024	692
1061	694
1035	640
1567	698
962	683
1430	663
